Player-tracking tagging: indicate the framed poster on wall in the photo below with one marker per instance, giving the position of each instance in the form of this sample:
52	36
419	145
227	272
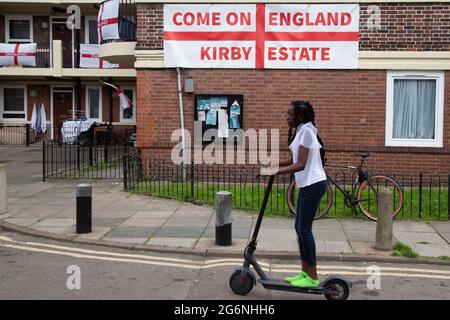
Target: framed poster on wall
223	112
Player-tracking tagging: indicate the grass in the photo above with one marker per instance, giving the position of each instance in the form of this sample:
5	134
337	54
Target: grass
89	171
249	198
402	250
445	258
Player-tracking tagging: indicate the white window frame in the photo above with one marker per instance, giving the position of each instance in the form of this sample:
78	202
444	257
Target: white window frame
132	120
16	17
86	28
2	104
437	142
100	101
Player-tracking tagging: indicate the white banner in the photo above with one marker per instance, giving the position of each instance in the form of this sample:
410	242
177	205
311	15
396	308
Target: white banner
108	20
291	36
89	58
15	54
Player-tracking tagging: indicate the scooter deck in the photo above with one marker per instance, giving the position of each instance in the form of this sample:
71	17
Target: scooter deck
285	286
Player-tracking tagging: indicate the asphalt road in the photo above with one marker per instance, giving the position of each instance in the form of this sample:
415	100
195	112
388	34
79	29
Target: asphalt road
36	268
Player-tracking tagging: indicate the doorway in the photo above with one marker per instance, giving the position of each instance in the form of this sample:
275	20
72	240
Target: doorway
62	105
60	31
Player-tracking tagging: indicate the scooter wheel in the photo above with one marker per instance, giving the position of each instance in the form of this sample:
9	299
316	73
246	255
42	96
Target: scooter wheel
242	283
339	288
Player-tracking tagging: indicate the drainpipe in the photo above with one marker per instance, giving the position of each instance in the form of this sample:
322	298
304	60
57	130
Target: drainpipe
183	141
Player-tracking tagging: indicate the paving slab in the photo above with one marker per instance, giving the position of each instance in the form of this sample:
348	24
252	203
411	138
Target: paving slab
163	214
107	222
361	247
337	247
179	232
52	222
446	236
131	232
432	250
188	222
132	222
25	222
410	226
361	235
410	238
137	241
327	224
68	231
173	242
441	226
358	225
327	235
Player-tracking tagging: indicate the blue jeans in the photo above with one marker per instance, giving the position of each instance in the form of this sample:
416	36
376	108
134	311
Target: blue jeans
308	202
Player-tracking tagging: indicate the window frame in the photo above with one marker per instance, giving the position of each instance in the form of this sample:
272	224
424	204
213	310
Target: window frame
132	120
439	77
7	31
100	101
2	104
86	28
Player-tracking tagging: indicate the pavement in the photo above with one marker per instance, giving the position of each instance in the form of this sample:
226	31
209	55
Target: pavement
142	222
148	223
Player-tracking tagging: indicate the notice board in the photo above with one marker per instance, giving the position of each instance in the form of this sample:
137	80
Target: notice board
223	112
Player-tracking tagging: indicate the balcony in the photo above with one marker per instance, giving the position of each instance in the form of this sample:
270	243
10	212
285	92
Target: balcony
121	48
49	63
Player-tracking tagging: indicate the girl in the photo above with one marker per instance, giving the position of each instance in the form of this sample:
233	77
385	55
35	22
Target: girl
310	177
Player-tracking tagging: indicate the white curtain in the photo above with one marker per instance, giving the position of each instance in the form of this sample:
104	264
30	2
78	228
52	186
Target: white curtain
414	109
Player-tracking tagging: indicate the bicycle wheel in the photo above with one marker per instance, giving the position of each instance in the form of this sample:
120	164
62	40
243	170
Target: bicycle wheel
368	195
292	197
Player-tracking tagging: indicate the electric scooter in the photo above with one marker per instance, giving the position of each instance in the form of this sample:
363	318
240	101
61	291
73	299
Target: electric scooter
242	280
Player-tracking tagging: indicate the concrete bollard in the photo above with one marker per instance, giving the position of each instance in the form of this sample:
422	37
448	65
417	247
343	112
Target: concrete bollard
383	239
3	190
223	218
84	208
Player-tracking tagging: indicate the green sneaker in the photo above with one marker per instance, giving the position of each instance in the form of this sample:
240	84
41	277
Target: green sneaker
306	282
300	276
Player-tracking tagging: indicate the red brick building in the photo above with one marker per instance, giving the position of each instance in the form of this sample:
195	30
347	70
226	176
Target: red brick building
354	107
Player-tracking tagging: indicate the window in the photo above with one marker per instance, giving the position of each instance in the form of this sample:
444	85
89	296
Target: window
91	34
129	114
94	103
19	28
13	102
415	109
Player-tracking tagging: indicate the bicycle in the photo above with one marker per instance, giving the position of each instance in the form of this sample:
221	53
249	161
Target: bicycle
364	192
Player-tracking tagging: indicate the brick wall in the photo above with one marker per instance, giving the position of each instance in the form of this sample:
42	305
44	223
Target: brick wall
350	108
404	27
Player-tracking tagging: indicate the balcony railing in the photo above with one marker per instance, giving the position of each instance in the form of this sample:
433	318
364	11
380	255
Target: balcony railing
127	21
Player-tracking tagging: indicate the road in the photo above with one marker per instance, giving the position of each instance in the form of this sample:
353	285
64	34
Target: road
36	268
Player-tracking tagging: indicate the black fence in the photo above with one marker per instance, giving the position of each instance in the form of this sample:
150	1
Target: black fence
77	161
425	198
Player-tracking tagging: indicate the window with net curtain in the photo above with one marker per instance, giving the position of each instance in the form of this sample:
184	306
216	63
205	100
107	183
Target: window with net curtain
414	109
94	103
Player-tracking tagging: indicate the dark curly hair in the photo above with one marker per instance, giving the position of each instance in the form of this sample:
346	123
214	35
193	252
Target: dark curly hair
306	111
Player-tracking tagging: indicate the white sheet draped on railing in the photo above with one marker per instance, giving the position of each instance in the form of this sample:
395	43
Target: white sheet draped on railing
108	21
89	58
18	54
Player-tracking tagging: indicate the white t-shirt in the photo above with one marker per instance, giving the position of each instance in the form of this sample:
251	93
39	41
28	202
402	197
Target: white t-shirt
306	136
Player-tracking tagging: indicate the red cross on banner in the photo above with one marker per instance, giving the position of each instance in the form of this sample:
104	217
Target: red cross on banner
261	36
108	21
23	54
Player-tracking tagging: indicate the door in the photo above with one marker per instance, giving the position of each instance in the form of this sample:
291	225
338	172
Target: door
61	32
62	110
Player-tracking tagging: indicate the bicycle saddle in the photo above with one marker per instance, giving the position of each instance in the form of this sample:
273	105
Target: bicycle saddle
363	154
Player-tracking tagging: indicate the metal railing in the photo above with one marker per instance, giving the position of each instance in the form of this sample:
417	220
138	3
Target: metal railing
75	161
21	134
127	21
424	198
